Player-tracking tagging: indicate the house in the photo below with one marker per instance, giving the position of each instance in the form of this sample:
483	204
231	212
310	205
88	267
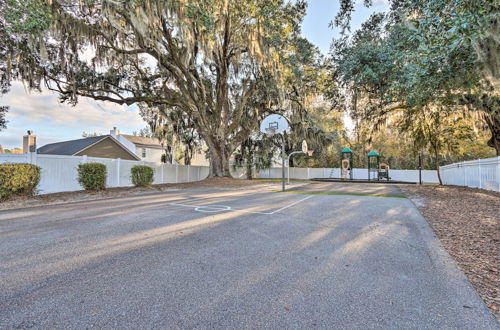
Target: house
104	146
114	145
146	148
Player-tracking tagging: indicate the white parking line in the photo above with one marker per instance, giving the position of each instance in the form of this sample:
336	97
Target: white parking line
226	208
285	207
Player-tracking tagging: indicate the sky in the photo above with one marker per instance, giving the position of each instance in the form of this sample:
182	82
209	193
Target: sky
52	121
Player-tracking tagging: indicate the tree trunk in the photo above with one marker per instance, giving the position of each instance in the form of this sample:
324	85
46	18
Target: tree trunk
219	163
187	157
493	122
437	169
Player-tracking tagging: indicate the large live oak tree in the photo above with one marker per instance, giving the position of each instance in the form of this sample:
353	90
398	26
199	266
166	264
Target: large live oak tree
203	59
424	53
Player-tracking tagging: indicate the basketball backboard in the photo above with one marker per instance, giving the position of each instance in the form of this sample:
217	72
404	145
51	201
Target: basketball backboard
304	146
273	124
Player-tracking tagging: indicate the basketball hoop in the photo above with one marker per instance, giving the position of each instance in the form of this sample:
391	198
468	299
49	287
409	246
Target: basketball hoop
273	124
270	130
310	152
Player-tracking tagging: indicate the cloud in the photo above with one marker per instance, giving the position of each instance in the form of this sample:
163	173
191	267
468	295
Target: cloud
44	106
53	121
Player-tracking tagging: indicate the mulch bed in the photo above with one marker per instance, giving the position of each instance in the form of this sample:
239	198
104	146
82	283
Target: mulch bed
76	196
467	221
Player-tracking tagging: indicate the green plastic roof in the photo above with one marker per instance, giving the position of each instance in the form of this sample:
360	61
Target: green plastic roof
373	154
346	150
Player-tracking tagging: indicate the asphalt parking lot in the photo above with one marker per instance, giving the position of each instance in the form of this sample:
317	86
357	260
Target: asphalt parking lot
232	259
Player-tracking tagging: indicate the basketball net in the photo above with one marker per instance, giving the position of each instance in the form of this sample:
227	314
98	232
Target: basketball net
270	130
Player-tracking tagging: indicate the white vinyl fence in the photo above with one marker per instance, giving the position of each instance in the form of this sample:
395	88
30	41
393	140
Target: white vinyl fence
428	176
481	173
59	173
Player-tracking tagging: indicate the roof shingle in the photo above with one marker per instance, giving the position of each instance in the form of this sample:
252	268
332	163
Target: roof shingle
69	147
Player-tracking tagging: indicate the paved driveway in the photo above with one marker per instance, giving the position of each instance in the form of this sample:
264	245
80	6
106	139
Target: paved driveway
230	259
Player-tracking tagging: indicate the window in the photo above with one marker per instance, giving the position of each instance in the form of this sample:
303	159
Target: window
143	152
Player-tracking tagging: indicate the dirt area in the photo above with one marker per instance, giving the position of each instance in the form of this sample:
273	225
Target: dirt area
467	221
76	196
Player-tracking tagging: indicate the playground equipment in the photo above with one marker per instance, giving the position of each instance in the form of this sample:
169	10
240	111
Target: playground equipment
373	165
346	163
376	169
383	171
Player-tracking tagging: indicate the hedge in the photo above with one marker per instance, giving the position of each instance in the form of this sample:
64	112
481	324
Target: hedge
92	176
142	175
18	180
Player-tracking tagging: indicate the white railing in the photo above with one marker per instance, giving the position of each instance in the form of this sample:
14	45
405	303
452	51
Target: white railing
59	173
481	173
428	176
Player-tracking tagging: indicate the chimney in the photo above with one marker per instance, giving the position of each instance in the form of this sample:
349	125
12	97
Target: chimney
114	132
29	142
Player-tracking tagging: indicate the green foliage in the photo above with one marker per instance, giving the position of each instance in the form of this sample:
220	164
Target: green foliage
92	176
422	55
3	121
142	175
18	180
217	64
26	16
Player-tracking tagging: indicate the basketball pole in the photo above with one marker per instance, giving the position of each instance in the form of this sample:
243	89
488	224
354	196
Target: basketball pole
283	163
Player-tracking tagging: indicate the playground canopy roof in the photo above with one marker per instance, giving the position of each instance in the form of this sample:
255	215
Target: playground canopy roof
373	154
346	150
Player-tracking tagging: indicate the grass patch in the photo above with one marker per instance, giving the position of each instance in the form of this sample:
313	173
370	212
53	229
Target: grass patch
337	193
279	180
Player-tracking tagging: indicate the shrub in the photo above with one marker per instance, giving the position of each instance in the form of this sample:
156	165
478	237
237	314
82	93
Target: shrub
92	176
142	175
18	179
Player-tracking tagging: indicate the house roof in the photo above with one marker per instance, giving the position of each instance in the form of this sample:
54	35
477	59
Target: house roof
70	147
74	146
142	141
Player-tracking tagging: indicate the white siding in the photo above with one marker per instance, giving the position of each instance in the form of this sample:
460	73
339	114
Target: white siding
152	154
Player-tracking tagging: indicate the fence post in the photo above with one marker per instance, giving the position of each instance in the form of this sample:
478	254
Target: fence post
188	172
308	173
465	174
32	157
162	169
480	174
118	172
498	173
176	173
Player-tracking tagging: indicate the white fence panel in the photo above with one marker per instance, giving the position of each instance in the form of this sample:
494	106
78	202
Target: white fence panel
358	173
481	173
169	173
59	173
183	173
13	158
125	174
